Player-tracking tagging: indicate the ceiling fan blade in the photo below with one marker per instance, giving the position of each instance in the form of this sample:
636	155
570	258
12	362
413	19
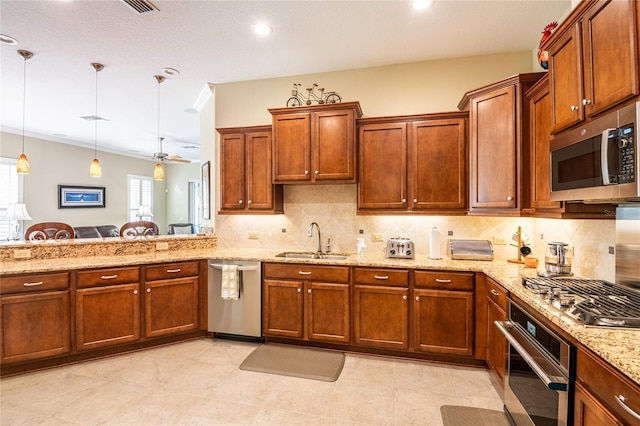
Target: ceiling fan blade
178	159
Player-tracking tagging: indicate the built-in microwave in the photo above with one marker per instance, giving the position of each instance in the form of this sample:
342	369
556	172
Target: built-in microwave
598	161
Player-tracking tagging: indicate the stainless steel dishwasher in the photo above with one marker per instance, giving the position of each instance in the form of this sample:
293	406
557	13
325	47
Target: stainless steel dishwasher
241	318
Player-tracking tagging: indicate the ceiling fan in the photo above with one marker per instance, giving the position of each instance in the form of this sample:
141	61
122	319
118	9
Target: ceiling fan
164	157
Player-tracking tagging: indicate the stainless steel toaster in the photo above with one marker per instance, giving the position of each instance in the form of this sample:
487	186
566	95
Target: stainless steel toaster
400	248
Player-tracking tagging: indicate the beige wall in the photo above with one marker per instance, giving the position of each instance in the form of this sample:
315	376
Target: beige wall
414	88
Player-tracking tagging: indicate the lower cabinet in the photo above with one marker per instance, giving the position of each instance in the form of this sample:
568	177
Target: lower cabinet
443	310
589	411
381	308
34	317
496	342
308	302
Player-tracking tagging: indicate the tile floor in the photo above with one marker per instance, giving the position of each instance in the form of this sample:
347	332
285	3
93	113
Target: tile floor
199	383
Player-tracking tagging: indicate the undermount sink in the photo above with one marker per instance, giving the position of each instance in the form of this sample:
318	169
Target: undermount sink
312	255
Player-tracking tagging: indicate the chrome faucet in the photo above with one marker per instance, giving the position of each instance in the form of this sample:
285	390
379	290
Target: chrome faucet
310	234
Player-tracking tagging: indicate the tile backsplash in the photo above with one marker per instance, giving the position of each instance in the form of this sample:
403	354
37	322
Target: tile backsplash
333	207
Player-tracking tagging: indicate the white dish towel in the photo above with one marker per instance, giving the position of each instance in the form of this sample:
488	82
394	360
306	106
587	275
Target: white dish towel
230	282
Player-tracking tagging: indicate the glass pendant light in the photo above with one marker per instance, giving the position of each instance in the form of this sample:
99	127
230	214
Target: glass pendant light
22	166
158	172
96	170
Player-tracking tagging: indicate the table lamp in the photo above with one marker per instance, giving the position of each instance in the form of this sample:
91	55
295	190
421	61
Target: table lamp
16	213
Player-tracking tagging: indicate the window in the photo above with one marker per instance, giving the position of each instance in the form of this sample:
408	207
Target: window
194	204
10	192
139	193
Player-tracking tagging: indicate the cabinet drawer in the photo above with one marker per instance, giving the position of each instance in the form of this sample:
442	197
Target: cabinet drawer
38	282
386	277
444	280
171	270
496	293
111	276
608	384
304	272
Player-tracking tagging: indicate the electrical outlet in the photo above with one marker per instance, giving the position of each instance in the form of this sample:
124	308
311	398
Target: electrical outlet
377	237
22	254
162	245
450	233
253	235
284	230
360	231
499	241
612	250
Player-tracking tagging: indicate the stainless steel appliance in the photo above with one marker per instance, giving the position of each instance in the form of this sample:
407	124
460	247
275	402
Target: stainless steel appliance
628	246
540	379
471	249
557	260
241	318
598	161
400	248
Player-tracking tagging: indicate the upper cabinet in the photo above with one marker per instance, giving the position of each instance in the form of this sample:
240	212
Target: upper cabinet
499	146
413	164
245	172
593	60
315	144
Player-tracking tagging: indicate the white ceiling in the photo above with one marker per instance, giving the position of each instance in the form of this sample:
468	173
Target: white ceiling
212	42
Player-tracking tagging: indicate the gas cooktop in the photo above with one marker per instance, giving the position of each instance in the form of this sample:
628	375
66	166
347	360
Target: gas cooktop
592	302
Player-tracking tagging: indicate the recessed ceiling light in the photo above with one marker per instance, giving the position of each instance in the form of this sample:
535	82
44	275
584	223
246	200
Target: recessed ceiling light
171	72
262	29
421	4
7	39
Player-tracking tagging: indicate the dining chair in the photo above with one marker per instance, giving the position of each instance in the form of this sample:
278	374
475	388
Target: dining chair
49	231
141	228
180	228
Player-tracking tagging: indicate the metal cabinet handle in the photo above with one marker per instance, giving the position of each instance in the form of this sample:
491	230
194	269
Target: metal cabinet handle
135	291
173	271
249	202
404	200
108	277
239	201
299	290
404	297
148	290
33	284
509	198
417	298
309	291
306	172
438	280
586	102
621	400
304	273
415	200
316	172
381	277
574	107
495	293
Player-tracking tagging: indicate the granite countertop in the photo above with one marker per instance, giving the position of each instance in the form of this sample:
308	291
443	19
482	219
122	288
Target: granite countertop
619	347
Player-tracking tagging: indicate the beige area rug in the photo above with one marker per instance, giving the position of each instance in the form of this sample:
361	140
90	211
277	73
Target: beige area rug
307	363
454	415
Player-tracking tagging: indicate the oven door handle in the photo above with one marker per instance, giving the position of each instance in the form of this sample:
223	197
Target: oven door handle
550	375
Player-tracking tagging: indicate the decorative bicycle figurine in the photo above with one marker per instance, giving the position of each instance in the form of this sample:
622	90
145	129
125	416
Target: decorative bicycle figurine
298	98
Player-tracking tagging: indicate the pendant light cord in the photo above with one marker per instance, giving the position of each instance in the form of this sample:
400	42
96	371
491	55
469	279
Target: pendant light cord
95	146
24	99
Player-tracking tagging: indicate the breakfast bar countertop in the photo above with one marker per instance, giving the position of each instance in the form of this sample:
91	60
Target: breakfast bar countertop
619	347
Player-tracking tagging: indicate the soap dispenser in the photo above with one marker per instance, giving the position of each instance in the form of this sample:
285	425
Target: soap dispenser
360	246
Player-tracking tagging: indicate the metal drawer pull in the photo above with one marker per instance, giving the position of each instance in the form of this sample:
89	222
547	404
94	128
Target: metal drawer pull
108	277
417	298
438	280
173	271
495	293
135	291
621	400
309	291
148	290
304	273
381	277
404	297
33	284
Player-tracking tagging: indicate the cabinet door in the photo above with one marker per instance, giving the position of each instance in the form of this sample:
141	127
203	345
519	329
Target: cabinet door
610	54
383	166
259	179
232	171
565	72
443	321
588	411
107	316
496	342
171	306
493	150
34	326
282	308
438	164
327	312
381	317
291	148
333	145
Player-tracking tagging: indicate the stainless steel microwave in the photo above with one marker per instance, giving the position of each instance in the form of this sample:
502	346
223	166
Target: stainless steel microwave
598	162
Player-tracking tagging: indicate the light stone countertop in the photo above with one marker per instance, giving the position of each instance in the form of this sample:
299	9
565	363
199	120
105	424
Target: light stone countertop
619	347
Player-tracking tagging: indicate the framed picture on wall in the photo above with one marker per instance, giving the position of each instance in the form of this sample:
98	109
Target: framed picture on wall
206	205
80	196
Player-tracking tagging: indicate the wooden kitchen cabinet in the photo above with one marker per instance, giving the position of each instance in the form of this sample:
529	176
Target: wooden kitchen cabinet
588	411
499	146
381	308
443	308
34	317
593	60
245	172
315	144
107	307
422	158
171	298
496	342
308	302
